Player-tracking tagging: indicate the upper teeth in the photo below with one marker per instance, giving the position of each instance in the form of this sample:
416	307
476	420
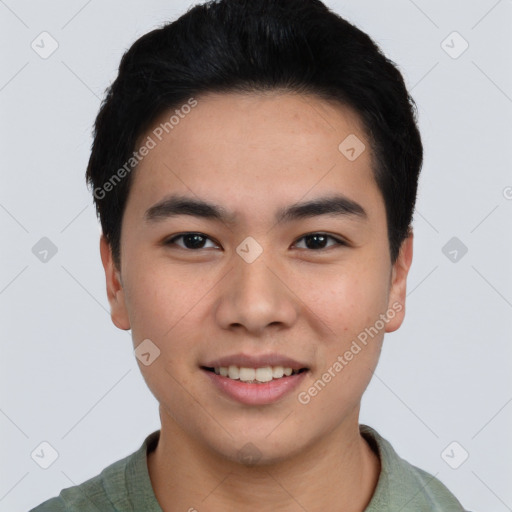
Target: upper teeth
265	374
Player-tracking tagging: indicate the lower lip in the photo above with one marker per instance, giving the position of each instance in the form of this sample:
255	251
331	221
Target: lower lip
256	394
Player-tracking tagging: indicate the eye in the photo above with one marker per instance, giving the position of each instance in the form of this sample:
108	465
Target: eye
316	241
194	241
190	240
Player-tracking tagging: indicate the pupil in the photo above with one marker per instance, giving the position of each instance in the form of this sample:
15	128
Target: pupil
313	246
197	241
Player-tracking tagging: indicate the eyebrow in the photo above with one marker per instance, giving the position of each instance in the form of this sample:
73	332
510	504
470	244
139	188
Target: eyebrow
176	205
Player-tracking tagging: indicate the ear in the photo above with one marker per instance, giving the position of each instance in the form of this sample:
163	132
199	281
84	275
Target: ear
398	289
115	292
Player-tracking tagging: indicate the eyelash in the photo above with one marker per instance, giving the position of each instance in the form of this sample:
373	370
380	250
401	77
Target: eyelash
339	242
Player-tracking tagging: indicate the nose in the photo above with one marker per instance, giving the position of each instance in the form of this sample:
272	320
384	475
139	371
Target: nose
256	296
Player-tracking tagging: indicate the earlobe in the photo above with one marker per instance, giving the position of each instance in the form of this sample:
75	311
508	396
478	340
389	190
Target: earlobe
115	291
398	289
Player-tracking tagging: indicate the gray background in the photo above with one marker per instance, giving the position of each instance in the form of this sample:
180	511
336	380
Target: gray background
69	377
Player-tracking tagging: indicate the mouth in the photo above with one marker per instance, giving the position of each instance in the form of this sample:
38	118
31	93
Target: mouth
259	375
255	380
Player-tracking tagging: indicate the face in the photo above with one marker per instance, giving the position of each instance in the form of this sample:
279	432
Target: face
287	265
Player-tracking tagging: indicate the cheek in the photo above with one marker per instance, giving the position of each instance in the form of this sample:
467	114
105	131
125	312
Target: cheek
160	298
160	302
350	301
347	300
351	305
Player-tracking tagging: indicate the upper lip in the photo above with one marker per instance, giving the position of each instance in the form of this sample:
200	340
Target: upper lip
255	361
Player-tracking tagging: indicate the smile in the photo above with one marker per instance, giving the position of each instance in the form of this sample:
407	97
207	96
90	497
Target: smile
255	386
254	375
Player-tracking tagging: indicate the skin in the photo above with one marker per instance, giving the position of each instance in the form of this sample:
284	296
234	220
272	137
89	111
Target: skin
253	154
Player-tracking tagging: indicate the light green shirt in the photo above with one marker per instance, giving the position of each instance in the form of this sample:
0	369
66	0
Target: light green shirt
125	485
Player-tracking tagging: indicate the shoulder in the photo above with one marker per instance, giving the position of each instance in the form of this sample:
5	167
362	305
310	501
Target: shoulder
430	490
102	492
403	486
90	495
51	505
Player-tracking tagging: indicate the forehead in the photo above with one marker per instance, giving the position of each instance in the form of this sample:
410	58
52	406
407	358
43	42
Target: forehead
256	146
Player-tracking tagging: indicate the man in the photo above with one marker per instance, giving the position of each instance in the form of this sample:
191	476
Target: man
255	168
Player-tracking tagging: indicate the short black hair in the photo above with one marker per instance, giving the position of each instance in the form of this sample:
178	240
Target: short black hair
246	46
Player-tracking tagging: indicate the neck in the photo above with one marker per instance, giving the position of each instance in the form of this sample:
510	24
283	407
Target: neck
339	472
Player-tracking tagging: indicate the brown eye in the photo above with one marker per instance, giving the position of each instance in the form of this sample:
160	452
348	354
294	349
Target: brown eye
191	241
196	241
318	241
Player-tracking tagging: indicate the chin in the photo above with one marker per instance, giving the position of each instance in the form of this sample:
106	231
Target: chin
257	447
